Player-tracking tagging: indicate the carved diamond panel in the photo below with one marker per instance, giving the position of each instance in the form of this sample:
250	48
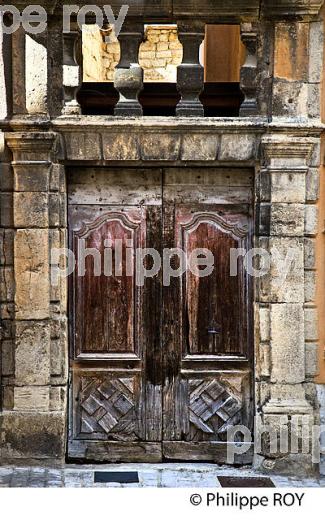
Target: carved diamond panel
213	407
107	407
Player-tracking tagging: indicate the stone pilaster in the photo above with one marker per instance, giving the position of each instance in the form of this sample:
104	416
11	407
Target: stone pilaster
281	370
33	422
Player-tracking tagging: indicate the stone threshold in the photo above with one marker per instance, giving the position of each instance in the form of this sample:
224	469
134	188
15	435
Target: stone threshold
168	475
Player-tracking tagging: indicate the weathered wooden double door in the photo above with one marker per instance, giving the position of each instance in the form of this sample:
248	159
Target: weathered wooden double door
160	366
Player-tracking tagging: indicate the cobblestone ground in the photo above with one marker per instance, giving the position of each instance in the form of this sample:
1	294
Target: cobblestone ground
158	475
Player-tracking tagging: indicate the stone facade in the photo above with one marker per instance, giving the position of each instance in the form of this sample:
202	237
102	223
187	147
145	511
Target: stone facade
281	142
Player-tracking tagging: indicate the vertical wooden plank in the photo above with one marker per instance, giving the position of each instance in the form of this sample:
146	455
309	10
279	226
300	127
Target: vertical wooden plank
152	320
171	327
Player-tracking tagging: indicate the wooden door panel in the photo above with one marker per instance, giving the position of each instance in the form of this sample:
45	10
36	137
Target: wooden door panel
115	397
214	307
102	302
109	406
206	320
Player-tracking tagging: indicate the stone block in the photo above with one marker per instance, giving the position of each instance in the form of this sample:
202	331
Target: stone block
287	270
30	435
312	184
7	357
262	389
311	324
199	148
290	99
31	210
316	46
309	253
147	46
287	219
288	394
291	57
160	147
311	220
237	147
284	281
148	55
264	321
7	284
59	354
6	177
310	286
58	398
311	361
32	353
31	177
164	54
287	343
57	175
7	398
63	210
6	210
32	274
83	145
121	147
54	209
31	398
6	246
162	46
288	186
314	101
265	359
315	158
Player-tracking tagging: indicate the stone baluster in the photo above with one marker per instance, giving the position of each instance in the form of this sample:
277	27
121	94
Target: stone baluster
71	73
190	74
128	77
248	73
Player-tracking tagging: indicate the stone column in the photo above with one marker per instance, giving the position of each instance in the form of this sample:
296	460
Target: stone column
284	398
33	422
190	74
